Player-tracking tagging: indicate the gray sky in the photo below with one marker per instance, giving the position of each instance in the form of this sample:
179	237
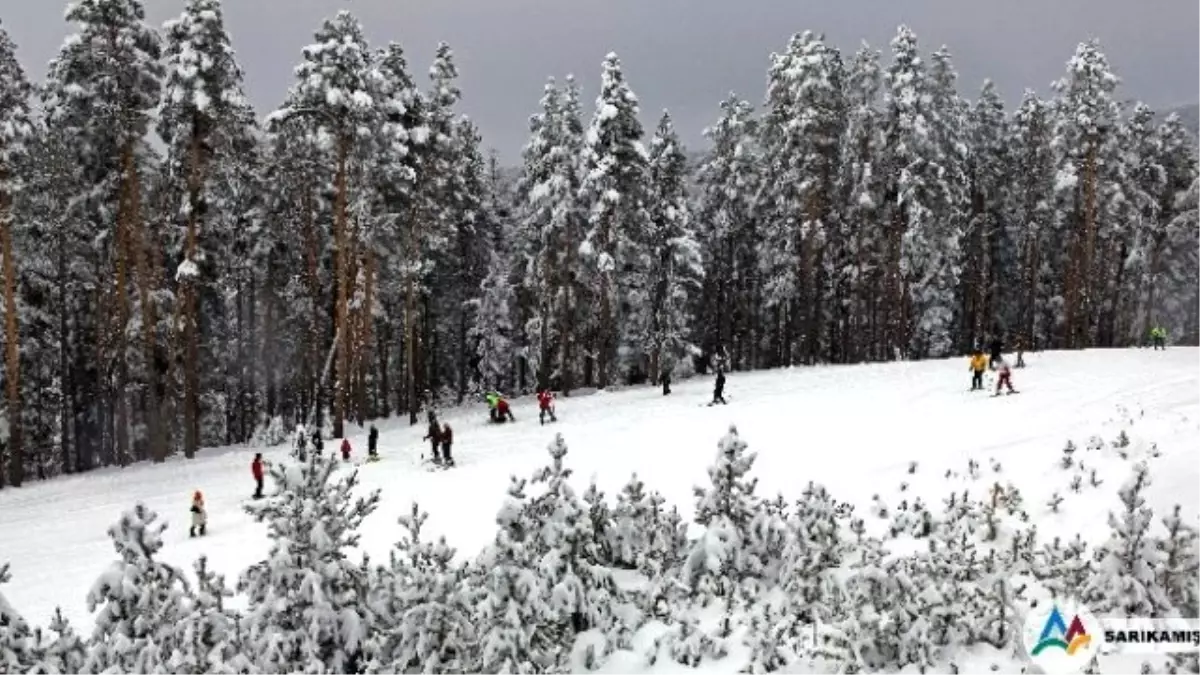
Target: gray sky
684	55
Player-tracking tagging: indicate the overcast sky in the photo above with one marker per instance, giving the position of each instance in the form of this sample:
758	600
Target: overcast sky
683	55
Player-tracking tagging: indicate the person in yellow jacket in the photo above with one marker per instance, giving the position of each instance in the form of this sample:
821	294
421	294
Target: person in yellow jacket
979	363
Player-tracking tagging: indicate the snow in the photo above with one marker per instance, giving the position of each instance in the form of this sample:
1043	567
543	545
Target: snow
854	429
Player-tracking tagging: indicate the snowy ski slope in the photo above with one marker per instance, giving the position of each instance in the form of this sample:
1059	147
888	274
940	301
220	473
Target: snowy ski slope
853	428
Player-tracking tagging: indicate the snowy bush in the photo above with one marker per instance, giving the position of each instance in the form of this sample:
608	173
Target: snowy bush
270	432
16	638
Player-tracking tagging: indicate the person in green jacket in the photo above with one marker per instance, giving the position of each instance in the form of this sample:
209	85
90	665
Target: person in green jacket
1158	335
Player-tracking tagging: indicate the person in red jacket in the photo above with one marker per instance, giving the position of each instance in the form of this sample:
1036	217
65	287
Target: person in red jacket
256	468
546	405
503	412
345	449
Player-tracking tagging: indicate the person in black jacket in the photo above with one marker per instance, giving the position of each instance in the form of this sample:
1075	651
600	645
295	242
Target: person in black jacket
719	389
373	443
434	436
997	353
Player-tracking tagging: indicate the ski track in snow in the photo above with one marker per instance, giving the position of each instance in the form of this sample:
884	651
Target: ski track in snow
852	428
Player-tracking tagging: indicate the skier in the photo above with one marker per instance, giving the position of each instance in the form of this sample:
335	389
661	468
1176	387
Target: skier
978	365
1020	353
1005	379
372	444
256	468
1158	335
434	437
719	389
997	353
447	440
545	405
666	382
318	442
492	399
345	449
199	515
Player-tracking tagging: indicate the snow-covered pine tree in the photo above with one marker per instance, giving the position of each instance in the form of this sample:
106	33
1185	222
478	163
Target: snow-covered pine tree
474	236
308	605
208	128
141	600
536	255
493	329
719	560
989	256
568	223
1144	182
17	647
676	275
582	591
1124	582
857	278
422	607
1173	263
1086	145
613	190
334	99
728	315
801	137
514	620
1031	215
16	128
64	652
1177	575
98	99
923	253
435	237
209	638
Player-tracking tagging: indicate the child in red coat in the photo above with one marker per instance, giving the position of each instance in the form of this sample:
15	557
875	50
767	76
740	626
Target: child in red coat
256	468
546	404
345	449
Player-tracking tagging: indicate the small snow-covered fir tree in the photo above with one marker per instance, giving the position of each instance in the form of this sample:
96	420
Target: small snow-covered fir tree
140	600
677	272
582	591
1124	583
493	325
422	607
209	638
643	535
719	560
59	649
517	633
308	605
16	639
1178	574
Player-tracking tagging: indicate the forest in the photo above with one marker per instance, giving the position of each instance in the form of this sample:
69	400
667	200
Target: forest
182	271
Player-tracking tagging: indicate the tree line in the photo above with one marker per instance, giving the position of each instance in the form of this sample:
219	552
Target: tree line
179	272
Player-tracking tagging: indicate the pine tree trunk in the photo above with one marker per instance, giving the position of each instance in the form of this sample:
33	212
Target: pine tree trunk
121	254
410	324
313	276
12	338
341	246
140	248
191	372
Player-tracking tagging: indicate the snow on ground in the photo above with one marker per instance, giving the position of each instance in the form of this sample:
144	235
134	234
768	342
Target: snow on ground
854	429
